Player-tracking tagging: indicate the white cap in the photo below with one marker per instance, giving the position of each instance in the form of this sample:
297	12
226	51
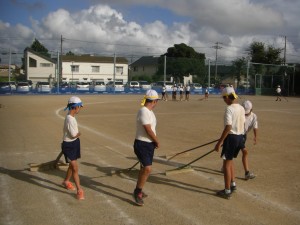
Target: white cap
151	95
75	100
228	91
247	106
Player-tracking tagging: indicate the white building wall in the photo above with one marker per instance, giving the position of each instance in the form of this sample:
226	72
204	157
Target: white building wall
85	72
40	73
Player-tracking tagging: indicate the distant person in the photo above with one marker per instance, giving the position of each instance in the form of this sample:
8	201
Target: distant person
71	145
181	92
278	93
187	92
174	90
164	93
231	139
145	142
206	94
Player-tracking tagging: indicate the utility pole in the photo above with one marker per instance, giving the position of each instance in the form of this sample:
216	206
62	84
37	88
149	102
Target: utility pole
216	66
9	62
208	74
114	73
165	69
284	57
60	61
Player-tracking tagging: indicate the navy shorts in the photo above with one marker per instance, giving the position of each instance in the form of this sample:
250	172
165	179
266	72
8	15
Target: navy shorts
71	150
232	145
144	152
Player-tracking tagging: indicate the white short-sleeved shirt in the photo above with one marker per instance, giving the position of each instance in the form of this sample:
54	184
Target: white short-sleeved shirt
251	122
235	116
278	90
144	117
70	128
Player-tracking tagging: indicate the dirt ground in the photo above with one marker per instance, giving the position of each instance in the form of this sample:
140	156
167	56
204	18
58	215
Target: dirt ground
31	132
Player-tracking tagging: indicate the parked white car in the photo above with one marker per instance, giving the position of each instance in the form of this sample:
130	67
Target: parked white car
98	86
23	87
196	87
115	87
43	87
83	87
144	85
13	85
133	84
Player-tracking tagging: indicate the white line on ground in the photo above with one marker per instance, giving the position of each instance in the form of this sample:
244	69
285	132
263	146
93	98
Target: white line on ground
9	214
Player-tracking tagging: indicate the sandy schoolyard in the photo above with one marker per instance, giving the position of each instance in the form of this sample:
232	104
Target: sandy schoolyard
31	132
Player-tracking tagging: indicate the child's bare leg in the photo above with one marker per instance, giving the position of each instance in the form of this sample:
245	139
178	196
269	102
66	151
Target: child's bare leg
143	176
75	174
245	159
69	174
228	173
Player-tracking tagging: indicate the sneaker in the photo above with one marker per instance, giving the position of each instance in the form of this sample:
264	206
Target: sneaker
138	197
223	194
80	195
144	195
233	188
249	175
69	186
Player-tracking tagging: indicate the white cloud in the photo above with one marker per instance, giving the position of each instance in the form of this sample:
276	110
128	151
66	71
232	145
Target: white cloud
103	30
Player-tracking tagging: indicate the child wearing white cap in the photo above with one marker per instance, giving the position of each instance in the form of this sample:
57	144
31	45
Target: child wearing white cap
145	142
231	139
250	123
278	93
71	145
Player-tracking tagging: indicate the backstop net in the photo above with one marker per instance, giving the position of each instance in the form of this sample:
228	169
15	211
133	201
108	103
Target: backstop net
266	77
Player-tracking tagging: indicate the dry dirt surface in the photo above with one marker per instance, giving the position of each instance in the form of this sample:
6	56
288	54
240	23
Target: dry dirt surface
31	132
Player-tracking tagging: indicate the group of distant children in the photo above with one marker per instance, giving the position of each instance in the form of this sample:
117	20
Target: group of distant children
182	90
238	120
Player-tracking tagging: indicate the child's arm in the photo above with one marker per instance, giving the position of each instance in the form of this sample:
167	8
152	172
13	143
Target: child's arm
255	131
77	135
225	132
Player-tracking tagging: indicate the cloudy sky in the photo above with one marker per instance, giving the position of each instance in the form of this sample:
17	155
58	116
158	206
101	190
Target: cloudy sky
135	28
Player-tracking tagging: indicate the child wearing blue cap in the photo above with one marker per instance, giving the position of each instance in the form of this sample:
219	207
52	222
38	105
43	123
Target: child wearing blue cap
71	145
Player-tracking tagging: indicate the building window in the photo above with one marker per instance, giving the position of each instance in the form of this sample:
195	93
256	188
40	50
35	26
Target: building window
95	69
46	65
119	69
32	62
135	69
74	68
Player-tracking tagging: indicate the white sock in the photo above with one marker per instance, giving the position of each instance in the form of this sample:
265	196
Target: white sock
233	183
227	191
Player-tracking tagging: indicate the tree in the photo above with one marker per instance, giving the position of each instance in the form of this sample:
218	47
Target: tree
182	60
239	67
70	53
38	47
260	53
